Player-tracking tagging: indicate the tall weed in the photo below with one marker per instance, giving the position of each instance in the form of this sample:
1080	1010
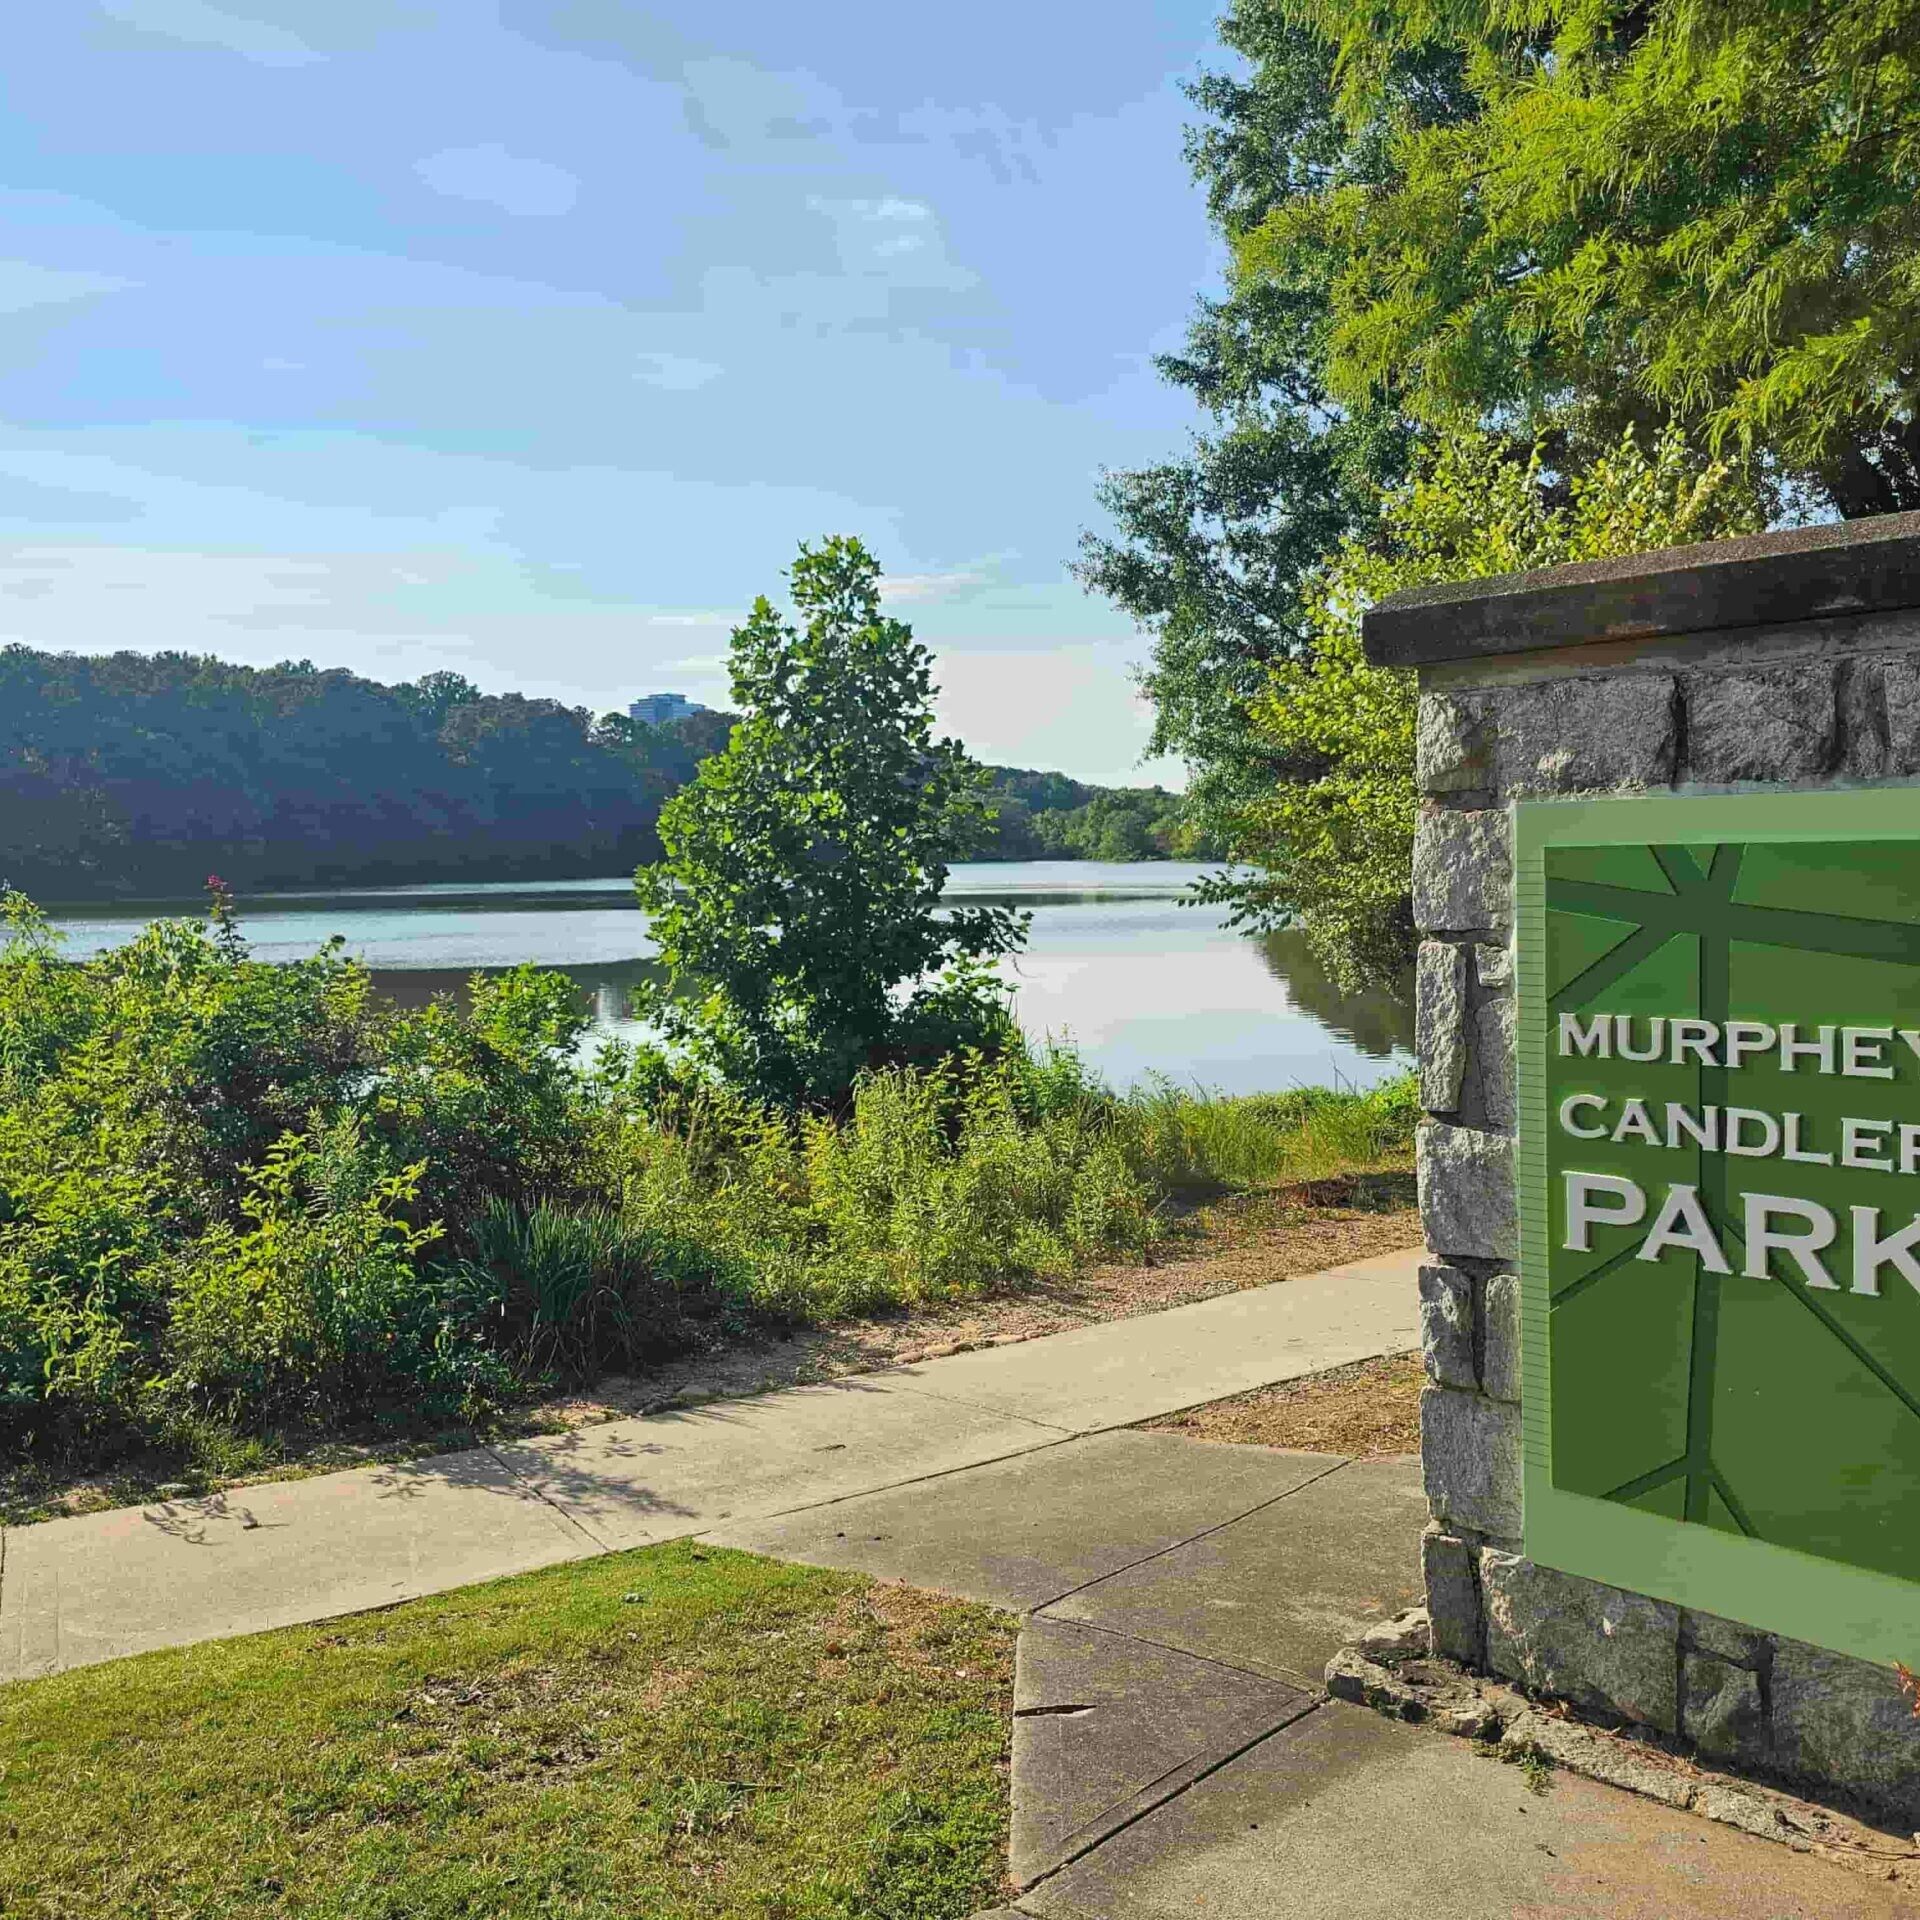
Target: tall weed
1195	1140
573	1291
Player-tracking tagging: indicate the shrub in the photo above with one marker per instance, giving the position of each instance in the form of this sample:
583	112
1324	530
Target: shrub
486	1098
940	1183
318	1308
223	1185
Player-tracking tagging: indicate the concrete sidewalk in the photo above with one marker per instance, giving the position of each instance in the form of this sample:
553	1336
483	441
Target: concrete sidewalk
94	1588
1174	1750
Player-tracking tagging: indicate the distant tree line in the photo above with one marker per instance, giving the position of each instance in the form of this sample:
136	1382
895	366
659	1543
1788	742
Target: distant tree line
139	774
1046	816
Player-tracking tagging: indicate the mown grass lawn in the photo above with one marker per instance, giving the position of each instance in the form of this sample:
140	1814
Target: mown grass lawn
678	1731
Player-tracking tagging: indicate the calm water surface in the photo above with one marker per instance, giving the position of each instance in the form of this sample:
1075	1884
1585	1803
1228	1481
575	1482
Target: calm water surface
1140	983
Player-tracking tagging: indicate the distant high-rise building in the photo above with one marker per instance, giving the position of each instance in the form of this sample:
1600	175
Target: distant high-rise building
656	709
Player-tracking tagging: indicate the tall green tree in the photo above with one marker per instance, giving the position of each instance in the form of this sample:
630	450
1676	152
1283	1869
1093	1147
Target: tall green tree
798	907
1550	220
1215	553
1700	209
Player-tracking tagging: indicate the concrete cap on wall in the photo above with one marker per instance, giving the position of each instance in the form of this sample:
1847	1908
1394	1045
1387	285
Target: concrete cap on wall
1851	566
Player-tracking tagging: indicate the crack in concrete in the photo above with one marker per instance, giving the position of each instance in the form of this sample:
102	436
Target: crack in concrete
982	1406
1185	1653
888	1486
1300	1712
540	1493
1160	1553
1206	1773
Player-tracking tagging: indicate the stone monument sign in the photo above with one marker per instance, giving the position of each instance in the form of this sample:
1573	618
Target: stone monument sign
1667	879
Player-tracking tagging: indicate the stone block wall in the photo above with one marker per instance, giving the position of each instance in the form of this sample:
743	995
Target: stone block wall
1805	704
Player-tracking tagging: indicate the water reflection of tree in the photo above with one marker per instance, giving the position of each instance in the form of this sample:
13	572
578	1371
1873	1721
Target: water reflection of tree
1377	1022
603	988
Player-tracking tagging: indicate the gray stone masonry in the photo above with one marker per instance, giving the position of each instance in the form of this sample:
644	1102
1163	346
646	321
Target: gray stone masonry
1446	1327
1618	677
1723	1711
1776	724
1470	1456
1466	1191
1440	1024
1500	1337
1493	1063
1603	1649
1562	736
1462	871
1452	1569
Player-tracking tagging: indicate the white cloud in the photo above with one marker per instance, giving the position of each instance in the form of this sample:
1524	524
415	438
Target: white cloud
732	104
893	226
676	372
930	586
888	211
893	237
692	619
24	285
494	177
1073	706
85	596
201	24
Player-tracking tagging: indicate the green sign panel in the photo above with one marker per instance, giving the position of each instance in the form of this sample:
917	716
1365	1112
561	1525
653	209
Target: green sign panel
1720	1204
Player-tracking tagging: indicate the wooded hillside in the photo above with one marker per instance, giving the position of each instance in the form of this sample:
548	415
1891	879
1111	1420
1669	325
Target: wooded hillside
137	775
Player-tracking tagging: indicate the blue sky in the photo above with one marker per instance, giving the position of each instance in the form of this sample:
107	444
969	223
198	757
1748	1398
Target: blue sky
528	337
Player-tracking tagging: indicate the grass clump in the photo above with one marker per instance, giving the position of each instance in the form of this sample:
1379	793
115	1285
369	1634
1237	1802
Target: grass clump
1195	1140
242	1204
680	1732
1535	1768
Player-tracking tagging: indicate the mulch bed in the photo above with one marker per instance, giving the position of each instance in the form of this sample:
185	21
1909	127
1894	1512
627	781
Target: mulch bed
1365	1411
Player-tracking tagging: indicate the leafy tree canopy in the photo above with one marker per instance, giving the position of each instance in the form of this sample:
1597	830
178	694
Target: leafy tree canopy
797	909
1700	209
1335	849
1215	553
137	773
1549	221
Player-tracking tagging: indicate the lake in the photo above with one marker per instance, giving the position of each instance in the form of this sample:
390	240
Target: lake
1114	962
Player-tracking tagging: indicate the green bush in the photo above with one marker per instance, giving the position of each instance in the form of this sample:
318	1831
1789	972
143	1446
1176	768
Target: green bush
319	1303
931	1184
942	1183
239	1199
